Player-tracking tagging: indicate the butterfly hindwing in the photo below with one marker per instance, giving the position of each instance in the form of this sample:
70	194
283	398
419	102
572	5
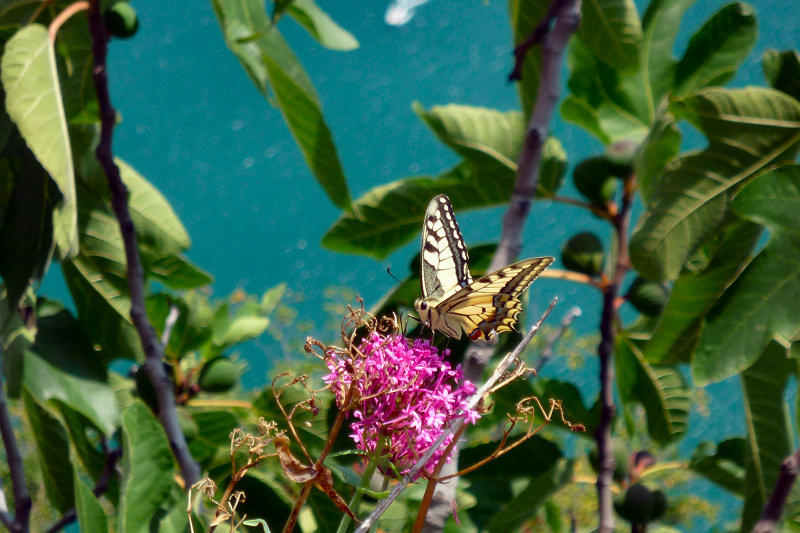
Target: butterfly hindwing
444	259
491	304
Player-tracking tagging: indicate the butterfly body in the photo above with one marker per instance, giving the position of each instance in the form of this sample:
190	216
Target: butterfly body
452	302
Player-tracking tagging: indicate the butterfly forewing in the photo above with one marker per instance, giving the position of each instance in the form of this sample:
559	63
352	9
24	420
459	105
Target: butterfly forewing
444	260
491	304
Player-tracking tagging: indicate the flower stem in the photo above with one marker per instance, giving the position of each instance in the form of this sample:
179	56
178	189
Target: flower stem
355	501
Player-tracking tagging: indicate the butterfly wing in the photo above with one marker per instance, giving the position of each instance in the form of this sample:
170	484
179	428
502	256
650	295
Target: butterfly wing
444	260
490	304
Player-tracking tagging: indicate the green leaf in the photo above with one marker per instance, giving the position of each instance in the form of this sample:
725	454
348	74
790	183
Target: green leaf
525	17
724	463
148	469
612	29
716	51
769	429
552	168
658	149
748	131
758	306
213	436
782	70
16	337
33	101
657	63
96	279
772	200
193	326
693	294
321	26
91	516
661	390
527	503
63	366
53	446
26	233
174	271
247	323
271	64
86	441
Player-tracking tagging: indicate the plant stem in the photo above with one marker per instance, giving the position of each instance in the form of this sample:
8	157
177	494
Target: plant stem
20	522
773	509
605	351
355	501
154	351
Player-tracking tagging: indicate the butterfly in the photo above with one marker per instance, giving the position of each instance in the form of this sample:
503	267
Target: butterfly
451	301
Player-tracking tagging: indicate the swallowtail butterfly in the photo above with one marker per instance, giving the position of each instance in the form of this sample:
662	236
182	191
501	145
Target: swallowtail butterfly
451	301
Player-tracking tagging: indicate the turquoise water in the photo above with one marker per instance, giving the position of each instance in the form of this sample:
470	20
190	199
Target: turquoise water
195	126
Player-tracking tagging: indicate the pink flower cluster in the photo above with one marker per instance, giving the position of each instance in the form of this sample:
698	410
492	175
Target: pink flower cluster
406	393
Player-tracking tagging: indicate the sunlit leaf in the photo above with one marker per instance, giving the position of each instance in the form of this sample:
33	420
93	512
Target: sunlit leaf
615	32
321	26
91	516
724	464
34	103
772	200
272	65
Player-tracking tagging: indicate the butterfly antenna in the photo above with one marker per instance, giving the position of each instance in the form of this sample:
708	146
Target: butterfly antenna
389	271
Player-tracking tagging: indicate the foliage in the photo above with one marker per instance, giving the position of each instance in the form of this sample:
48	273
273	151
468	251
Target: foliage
718	225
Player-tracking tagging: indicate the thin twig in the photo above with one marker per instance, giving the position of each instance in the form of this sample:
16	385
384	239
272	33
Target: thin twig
154	351
773	509
473	402
605	351
20	522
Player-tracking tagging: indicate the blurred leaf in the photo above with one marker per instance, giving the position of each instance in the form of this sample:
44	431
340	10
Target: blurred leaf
75	66
615	32
525	17
175	271
271	64
213	438
16	337
769	429
724	464
693	294
53	446
772	200
271	298
759	305
748	130
527	503
148	469
658	149
717	50
91	516
63	366
661	390
33	101
247	323
552	168
321	26
193	328
268	497
492	484
782	70
85	439
26	233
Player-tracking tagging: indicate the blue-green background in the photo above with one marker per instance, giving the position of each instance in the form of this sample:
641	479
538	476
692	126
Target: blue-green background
195	126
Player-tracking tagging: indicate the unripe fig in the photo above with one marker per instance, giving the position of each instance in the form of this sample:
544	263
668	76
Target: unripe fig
121	20
593	180
620	157
218	375
583	253
648	297
659	504
635	505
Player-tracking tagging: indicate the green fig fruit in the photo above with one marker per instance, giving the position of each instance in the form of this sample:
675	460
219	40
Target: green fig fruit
635	505
121	20
620	157
648	297
220	374
592	178
583	253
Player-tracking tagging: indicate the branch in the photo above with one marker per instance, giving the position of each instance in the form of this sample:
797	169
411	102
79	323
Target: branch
773	509
474	400
605	351
154	351
19	523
